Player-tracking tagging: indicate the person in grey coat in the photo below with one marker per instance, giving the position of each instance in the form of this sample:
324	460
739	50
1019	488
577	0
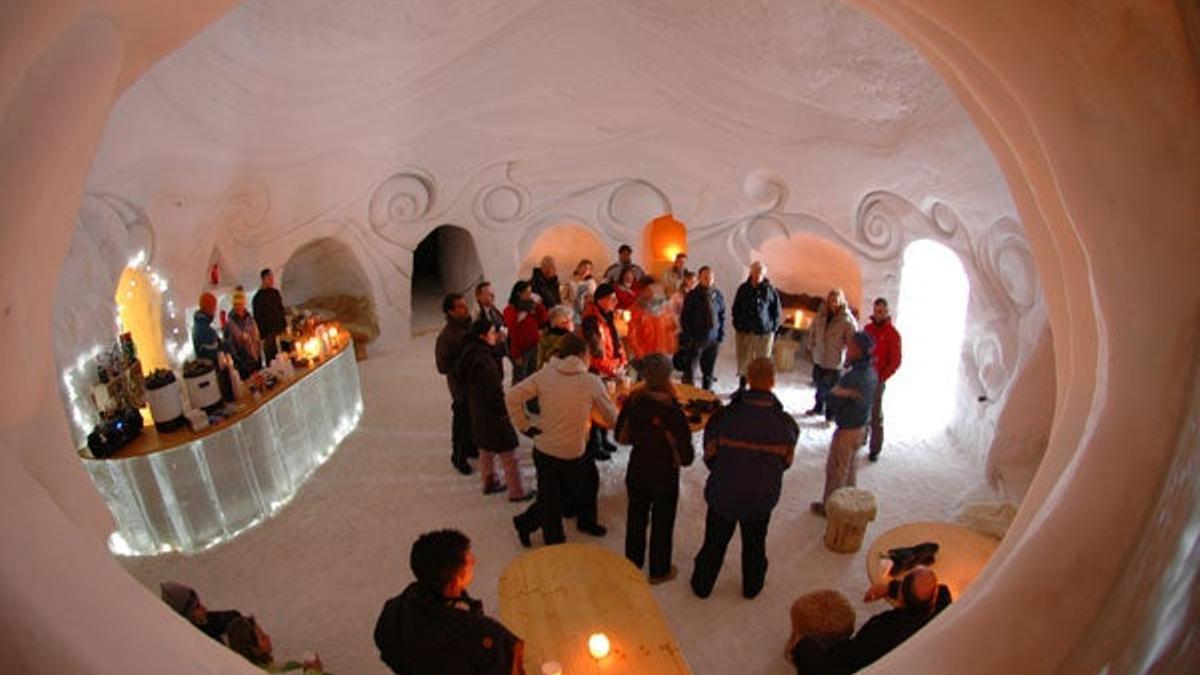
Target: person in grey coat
831	331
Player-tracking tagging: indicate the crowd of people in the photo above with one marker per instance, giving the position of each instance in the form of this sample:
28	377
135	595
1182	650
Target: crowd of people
573	346
250	339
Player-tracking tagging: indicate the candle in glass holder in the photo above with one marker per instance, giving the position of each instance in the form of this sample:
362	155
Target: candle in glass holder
598	645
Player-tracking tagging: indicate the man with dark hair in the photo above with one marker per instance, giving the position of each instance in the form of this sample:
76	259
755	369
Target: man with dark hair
485	298
702	328
624	260
887	362
434	626
269	314
850	404
570	397
918	597
748	445
446	351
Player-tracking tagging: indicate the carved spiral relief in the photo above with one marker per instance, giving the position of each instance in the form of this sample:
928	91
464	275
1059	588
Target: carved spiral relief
244	211
500	204
878	226
632	204
991	362
765	190
945	220
404	198
1006	263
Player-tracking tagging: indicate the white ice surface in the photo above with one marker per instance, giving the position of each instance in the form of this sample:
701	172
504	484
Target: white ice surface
317	574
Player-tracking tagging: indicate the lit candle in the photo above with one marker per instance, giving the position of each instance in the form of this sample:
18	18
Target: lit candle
598	645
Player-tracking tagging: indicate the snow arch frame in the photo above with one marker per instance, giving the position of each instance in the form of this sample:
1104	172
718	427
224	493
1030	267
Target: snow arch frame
1085	224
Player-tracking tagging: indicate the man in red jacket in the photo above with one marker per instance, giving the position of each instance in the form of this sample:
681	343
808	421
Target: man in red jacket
887	361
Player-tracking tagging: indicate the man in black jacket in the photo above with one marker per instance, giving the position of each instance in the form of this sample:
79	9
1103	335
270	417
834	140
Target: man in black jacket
702	328
918	598
545	283
269	314
435	627
756	316
446	351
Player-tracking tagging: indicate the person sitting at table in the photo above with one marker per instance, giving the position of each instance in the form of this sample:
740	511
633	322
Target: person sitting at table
186	603
482	382
241	334
748	445
246	637
571	397
918	597
654	423
434	626
206	342
559	322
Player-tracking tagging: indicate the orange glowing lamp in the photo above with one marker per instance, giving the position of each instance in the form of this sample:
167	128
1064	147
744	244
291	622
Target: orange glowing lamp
665	238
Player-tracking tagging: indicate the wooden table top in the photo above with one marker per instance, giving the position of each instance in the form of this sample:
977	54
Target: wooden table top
555	597
961	555
152	440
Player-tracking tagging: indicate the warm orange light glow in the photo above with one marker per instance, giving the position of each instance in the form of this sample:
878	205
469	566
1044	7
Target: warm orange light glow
139	310
598	645
665	237
312	348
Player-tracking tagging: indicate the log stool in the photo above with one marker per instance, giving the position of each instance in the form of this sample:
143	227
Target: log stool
785	354
848	511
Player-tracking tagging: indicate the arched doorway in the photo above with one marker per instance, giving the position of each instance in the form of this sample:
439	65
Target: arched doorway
445	261
139	312
804	267
325	276
930	315
567	243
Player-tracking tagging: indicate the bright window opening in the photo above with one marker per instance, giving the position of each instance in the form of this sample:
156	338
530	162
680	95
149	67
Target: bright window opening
930	315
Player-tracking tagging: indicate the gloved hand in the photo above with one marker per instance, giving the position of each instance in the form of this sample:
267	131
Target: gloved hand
532	432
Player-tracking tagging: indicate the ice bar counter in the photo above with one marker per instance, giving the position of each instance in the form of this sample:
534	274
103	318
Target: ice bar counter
184	491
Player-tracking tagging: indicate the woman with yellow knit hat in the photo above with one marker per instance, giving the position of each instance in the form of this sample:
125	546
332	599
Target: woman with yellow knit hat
241	335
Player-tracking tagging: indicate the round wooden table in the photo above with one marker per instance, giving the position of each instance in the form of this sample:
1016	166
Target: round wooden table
555	597
961	555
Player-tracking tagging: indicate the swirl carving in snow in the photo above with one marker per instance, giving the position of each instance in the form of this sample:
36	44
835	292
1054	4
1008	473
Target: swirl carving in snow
631	204
1006	263
244	211
101	213
404	198
878	228
500	204
945	220
765	190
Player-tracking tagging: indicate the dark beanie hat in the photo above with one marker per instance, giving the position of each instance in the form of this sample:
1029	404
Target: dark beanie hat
865	342
603	291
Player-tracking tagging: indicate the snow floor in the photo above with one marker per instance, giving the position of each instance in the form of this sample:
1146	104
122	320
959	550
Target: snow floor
318	573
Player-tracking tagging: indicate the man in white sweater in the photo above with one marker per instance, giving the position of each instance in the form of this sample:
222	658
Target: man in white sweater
571	398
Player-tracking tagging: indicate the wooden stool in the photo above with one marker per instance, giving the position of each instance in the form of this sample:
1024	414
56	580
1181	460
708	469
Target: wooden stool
848	511
785	354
